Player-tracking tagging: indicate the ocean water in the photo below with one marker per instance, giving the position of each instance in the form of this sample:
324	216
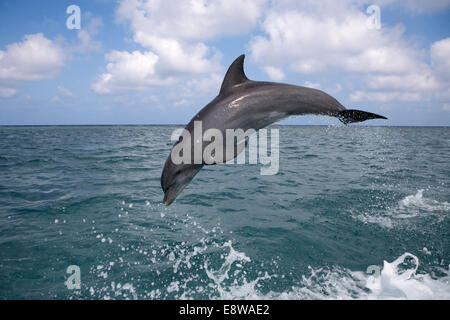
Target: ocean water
354	213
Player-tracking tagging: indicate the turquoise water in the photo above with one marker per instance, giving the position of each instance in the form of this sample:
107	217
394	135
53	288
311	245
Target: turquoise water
345	199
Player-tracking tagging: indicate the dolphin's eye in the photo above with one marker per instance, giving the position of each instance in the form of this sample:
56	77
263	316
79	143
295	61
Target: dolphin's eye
178	172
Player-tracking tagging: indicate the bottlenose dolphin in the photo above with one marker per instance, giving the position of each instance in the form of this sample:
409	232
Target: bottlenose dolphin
246	104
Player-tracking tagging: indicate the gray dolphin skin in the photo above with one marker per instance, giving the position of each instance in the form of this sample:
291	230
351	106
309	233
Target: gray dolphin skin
247	104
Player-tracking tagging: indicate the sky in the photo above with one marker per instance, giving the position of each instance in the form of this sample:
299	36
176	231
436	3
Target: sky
160	62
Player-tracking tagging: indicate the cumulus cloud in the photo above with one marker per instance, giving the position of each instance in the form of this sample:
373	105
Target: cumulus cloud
311	42
190	20
440	53
129	71
35	58
275	74
176	56
207	84
308	37
326	38
173	35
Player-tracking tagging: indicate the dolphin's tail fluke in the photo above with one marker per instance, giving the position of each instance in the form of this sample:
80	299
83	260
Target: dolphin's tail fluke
349	116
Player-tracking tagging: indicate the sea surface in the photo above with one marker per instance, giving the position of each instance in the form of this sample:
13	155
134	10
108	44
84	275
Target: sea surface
353	213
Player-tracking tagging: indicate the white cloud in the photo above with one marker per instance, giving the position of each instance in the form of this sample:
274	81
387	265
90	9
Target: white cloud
6	92
275	74
33	59
385	96
87	33
309	37
150	99
176	30
311	84
329	38
446	107
177	57
440	57
336	89
65	92
199	85
180	103
129	71
173	34
421	82
312	42
190	20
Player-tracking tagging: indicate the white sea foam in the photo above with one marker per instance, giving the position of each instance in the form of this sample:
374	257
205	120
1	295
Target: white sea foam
213	268
408	208
412	205
395	281
231	279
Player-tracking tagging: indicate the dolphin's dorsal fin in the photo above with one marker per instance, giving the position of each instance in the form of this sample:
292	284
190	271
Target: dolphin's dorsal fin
235	74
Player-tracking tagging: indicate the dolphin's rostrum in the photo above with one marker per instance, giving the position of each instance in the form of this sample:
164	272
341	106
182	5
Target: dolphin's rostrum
248	104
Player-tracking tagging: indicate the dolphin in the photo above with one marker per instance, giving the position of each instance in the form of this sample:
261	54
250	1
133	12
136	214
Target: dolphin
246	104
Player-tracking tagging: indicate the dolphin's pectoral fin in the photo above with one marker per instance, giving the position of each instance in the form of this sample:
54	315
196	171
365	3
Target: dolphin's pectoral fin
349	116
230	154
